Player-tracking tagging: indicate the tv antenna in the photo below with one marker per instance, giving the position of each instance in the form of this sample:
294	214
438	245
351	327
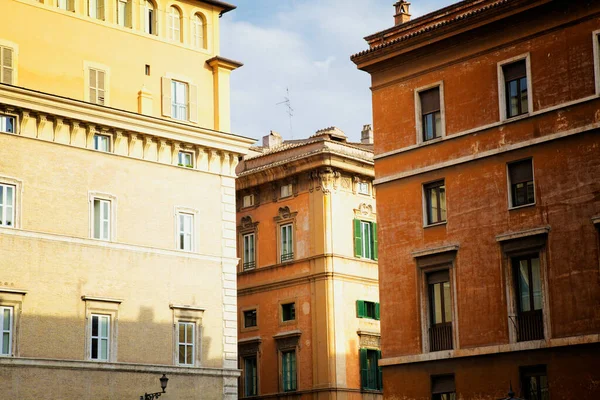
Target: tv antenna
290	111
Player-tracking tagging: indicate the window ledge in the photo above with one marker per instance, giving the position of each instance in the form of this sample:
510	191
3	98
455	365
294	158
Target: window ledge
436	224
283	335
431	141
186	307
516	118
13	291
435	250
543	230
523	206
253	339
596	220
102	299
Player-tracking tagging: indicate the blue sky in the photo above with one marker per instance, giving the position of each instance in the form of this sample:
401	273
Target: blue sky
303	46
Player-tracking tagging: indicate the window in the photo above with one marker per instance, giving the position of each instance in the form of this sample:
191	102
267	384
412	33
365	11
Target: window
96	9
528	285
250	319
124	13
102	142
250	376
370	372
435	202
363	187
367	309
288	370
286	190
149	20
287	244
288	312
147	69
7	124
440	310
7	205
174	24
520	174
7	67
515	88
68	5
185	342
365	239
249	252
431	115
248	200
186	231
179	100
185	159
97	86
100	334
596	39
198	31
534	383
6	322
442	387
102	219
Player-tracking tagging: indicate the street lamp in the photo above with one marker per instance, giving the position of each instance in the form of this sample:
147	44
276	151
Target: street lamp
511	394
163	385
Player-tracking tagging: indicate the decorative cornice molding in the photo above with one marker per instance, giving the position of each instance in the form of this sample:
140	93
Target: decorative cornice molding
101	299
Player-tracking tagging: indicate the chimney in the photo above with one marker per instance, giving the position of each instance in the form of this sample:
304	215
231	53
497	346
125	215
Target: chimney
402	12
366	135
272	140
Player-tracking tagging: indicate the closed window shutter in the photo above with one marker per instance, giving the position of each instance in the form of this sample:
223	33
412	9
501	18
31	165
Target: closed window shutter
100	10
101	90
360	308
92	8
166	96
364	371
377	311
92	86
357	239
71	5
375	244
379	373
193	103
128	17
7	65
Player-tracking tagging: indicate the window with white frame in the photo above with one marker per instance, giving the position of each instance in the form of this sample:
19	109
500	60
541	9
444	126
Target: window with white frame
286	190
96	9
67	5
6	322
101	219
431	114
7	67
124	13
97	86
249	252
198	31
99	337
7	124
248	200
365	239
102	142
596	38
186	342
185	229
174	24
179	100
185	159
7	205
363	187
286	242
149	19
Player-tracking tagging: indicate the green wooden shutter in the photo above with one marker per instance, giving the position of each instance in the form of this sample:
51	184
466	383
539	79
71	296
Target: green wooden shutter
357	239
377	311
375	246
364	372
379	373
360	309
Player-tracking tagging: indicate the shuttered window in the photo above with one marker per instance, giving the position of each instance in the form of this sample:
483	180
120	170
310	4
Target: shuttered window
442	387
365	239
100	337
7	206
7	67
97	86
367	309
515	79
67	5
96	9
431	114
370	372
6	324
149	20
174	24
521	183
179	100
288	370
102	219
198	31
124	13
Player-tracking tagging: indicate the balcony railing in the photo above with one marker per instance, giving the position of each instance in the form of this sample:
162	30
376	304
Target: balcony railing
287	257
530	325
440	337
249	265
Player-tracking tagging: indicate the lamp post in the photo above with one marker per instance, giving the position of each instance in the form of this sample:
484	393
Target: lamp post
163	385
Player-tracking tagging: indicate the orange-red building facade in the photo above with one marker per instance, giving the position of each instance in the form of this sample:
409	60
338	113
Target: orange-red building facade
488	211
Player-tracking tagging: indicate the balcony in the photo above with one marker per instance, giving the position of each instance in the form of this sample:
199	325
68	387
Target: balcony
530	325
249	265
287	257
440	337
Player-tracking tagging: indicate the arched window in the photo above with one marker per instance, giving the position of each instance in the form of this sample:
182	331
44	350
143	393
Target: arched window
149	17
96	9
174	24
199	31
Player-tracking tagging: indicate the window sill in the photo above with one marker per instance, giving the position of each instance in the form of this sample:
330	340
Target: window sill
249	329
377	391
515	118
436	224
523	206
430	141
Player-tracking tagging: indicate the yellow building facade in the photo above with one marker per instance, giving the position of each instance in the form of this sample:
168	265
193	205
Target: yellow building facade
308	298
117	200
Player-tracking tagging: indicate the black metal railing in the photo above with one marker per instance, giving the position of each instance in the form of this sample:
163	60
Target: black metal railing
287	257
530	325
249	265
440	337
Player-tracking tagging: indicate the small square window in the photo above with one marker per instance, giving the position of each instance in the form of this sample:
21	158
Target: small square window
100	337
7	124
185	159
250	318
248	200
522	190
367	309
435	202
286	190
288	312
7	205
147	69
102	143
363	188
186	343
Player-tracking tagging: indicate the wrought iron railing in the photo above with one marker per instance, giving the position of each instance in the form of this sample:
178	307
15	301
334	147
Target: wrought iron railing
530	325
249	265
287	257
440	337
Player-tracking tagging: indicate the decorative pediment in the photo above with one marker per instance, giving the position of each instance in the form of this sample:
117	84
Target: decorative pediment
287	340
285	213
364	210
369	339
247	223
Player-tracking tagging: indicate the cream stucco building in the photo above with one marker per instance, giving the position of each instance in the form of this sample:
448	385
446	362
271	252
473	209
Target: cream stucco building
117	200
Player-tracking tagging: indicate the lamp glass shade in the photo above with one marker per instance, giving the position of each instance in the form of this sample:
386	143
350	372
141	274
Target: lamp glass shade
163	382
